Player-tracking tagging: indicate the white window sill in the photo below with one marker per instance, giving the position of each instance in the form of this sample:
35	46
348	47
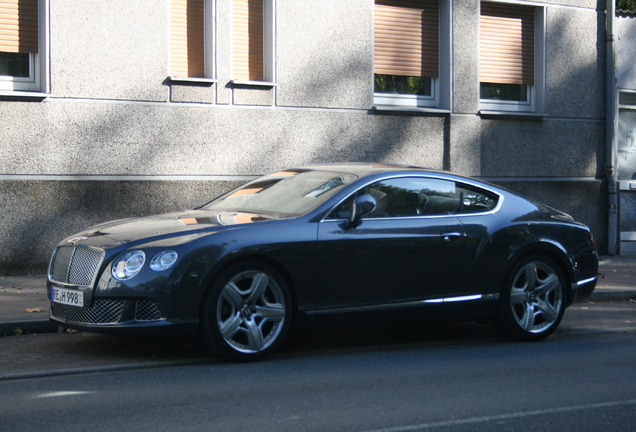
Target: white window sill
512	115
265	84
189	80
410	110
23	95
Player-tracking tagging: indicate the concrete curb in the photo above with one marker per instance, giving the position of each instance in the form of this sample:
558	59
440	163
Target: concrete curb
105	368
24	327
612	295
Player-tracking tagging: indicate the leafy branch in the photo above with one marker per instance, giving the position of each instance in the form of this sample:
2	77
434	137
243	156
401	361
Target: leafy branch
626	5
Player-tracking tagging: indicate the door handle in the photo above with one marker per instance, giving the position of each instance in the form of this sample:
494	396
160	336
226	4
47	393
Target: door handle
451	236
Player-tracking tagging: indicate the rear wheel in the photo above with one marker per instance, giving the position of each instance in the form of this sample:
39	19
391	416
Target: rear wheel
246	312
533	299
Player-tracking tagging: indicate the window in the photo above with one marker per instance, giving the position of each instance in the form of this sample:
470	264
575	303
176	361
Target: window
21	45
412	53
253	41
285	193
413	196
405	51
191	37
510	57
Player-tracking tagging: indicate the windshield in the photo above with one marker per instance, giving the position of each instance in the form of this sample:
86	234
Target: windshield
284	194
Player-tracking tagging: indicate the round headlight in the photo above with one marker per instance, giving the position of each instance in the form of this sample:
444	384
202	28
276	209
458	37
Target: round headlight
128	265
164	260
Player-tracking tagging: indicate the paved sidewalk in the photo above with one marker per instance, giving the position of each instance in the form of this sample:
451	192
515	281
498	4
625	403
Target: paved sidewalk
24	304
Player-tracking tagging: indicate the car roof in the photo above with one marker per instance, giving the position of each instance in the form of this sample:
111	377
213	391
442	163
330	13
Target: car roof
363	169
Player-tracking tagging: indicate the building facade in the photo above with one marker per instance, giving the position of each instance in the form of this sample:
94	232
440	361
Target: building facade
111	108
625	128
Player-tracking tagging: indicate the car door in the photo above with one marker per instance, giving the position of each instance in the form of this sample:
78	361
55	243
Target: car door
409	248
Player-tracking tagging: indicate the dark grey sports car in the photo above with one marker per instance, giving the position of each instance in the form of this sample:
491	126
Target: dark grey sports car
327	245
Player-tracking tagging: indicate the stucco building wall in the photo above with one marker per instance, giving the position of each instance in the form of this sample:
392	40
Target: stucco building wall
75	158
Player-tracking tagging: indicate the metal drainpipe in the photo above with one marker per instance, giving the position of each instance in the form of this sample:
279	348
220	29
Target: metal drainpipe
611	126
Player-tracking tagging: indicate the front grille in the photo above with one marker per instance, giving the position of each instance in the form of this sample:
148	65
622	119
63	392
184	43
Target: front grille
75	265
147	311
103	312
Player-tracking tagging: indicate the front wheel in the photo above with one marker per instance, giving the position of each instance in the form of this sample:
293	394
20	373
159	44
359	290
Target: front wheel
246	312
532	301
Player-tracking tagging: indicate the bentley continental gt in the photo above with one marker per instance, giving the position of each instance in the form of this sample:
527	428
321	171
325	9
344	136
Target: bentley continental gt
327	245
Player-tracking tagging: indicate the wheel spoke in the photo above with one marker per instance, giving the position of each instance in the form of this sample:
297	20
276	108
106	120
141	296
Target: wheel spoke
548	285
230	326
258	287
530	272
527	320
232	295
518	297
271	312
547	310
254	336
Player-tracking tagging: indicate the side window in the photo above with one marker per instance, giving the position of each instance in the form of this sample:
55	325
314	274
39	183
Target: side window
414	196
446	197
475	200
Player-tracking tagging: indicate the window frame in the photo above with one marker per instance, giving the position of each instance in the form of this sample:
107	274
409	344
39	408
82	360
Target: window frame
440	97
269	48
535	102
458	187
209	47
37	83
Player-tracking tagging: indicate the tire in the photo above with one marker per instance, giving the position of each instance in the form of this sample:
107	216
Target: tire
532	301
246	312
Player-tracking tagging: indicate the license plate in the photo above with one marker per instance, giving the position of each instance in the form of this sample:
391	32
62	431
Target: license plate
68	297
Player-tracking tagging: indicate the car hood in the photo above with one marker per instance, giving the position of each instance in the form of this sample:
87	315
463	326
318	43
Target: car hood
154	228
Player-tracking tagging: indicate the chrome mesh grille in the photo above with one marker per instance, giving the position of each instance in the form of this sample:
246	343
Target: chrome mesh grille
103	312
75	265
147	311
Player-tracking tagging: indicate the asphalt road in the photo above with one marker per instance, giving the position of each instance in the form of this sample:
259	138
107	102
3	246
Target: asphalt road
459	378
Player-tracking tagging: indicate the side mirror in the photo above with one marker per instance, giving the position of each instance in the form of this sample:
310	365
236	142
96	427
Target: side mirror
360	207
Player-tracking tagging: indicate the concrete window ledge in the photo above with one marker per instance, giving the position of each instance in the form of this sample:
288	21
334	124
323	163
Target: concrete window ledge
23	96
192	81
511	115
389	109
264	84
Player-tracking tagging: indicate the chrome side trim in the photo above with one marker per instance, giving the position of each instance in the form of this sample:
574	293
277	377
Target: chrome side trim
465	298
575	285
388	306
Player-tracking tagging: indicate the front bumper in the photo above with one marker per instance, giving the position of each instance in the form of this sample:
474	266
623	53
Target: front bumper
123	317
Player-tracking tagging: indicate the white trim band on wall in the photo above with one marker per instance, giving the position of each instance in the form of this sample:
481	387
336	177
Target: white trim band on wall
538	179
49	177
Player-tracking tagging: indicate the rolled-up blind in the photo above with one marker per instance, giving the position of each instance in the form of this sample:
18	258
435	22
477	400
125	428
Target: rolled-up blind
506	44
187	35
406	37
19	26
247	43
